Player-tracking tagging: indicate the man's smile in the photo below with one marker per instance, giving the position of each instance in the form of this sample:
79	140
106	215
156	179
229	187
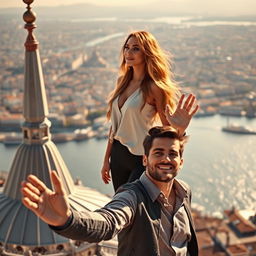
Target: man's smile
165	166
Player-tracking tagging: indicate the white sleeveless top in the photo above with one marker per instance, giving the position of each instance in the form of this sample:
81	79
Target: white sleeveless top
130	124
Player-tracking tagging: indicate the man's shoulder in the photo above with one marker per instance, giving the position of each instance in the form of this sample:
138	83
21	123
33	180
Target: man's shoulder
185	187
183	184
134	186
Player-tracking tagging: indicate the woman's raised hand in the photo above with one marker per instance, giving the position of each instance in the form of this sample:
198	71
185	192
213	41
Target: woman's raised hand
51	206
180	119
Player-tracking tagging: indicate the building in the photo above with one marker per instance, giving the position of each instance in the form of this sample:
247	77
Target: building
234	235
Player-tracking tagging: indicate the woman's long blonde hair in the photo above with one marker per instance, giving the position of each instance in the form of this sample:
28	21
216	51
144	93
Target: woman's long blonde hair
157	70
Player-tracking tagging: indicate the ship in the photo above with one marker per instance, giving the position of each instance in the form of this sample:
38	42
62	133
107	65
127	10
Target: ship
12	139
62	137
83	134
239	129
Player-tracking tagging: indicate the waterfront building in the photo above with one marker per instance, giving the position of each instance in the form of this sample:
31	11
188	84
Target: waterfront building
10	122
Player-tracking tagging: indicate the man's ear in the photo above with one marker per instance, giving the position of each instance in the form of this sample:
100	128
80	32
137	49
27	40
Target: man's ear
181	163
145	160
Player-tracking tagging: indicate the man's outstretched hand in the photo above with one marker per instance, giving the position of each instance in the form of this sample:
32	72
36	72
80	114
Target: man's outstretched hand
51	206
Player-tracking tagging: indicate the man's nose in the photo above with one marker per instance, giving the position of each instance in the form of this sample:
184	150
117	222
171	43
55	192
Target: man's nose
167	158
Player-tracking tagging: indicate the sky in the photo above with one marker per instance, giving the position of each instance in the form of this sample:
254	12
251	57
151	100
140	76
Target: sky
16	3
232	7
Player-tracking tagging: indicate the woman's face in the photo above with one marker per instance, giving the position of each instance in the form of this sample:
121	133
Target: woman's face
133	54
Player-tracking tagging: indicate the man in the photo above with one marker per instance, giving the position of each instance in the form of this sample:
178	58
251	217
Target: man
151	215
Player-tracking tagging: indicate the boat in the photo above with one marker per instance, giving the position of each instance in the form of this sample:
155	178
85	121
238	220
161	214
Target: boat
82	134
12	139
62	137
205	113
239	129
102	133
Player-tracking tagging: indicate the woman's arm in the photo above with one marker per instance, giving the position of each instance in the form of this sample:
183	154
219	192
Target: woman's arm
105	171
157	99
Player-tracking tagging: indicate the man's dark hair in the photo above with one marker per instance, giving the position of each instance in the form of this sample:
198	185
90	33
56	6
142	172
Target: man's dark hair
163	132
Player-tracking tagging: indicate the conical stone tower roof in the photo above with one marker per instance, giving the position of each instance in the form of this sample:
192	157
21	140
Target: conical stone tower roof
21	231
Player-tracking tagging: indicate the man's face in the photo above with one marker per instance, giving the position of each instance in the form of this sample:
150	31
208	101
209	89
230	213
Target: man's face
164	160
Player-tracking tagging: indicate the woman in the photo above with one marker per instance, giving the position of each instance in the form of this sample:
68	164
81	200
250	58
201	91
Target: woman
144	94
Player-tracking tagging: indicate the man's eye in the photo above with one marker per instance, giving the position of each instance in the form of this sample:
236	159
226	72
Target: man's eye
158	153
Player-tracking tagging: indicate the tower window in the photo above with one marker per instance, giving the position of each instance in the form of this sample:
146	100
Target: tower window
35	135
26	134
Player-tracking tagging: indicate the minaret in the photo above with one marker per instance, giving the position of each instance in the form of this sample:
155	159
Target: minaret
37	154
21	231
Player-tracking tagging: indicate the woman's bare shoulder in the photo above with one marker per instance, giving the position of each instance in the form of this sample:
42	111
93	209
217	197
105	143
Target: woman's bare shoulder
154	93
154	88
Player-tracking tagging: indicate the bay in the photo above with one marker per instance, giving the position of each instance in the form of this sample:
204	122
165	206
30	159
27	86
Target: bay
220	167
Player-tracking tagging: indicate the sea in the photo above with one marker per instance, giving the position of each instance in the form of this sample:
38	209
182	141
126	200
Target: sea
220	167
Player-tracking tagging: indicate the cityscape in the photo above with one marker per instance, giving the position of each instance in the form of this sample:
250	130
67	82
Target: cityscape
80	62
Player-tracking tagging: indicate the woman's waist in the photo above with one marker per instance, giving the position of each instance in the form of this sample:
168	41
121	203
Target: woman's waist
133	143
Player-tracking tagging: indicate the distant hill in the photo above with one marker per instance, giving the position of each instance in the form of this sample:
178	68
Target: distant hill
83	11
86	11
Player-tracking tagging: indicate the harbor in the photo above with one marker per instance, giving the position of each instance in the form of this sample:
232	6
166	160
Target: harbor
15	138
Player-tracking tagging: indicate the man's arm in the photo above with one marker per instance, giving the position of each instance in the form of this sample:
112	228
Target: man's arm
104	223
53	208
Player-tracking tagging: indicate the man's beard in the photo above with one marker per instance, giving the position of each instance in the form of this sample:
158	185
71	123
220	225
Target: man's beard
156	176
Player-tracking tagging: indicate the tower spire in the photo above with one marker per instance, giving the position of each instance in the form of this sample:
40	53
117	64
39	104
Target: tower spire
35	102
37	154
29	17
